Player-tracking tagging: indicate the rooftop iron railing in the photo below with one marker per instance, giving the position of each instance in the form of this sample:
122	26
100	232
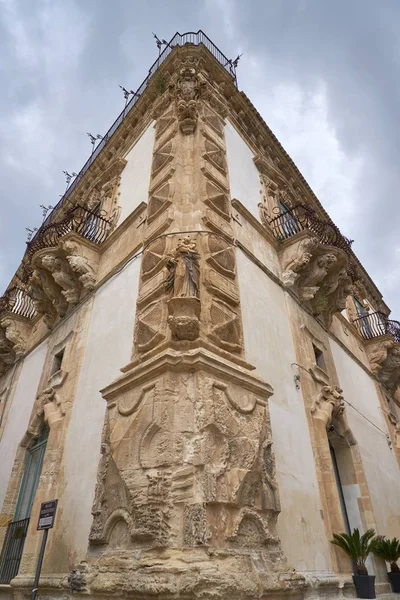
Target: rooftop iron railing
374	324
17	301
300	217
190	37
91	225
13	547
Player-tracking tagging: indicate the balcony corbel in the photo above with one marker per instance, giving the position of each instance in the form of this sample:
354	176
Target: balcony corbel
382	339
317	273
17	311
83	258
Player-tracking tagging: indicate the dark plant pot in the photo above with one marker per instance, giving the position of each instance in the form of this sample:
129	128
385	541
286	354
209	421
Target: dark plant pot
395	582
365	585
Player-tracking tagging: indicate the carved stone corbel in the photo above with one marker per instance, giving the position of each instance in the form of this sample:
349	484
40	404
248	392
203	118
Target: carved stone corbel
49	406
389	371
17	331
328	404
317	274
377	352
59	268
46	300
7	354
82	258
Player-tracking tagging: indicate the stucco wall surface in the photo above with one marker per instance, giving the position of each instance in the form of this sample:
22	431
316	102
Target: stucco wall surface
19	413
108	349
380	466
243	174
269	347
135	178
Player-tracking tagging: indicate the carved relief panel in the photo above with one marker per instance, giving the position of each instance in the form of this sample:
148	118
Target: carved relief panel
205	459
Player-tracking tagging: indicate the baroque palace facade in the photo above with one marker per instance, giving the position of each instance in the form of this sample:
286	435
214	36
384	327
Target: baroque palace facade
195	364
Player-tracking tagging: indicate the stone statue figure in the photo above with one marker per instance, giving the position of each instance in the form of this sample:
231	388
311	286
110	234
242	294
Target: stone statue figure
183	270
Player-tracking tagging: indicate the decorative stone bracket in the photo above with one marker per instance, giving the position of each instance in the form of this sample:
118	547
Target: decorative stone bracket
317	274
61	276
7	354
328	404
384	358
47	408
17	330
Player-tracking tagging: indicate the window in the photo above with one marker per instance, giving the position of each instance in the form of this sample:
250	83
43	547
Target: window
319	358
58	358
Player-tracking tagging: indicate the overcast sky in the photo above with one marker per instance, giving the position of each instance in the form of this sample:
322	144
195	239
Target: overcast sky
324	74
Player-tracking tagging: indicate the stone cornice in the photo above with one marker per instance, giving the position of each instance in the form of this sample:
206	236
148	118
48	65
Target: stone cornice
199	359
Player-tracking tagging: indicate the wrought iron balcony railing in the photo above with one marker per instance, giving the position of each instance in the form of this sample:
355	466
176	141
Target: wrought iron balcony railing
17	301
300	217
13	546
375	324
90	225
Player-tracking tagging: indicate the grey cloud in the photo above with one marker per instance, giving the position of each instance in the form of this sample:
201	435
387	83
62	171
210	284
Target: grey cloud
61	63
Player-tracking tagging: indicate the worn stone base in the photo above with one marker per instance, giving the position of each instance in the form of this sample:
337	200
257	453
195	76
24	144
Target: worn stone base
200	575
195	574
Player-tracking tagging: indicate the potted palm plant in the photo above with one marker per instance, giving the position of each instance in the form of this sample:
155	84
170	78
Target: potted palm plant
358	547
389	550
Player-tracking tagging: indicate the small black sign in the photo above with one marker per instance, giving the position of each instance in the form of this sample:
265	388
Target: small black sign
47	515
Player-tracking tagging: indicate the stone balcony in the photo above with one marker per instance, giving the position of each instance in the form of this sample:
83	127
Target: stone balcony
17	311
315	259
64	258
382	337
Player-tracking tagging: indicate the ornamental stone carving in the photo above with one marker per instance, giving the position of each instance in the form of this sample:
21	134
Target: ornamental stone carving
378	353
183	280
61	273
186	463
48	304
7	354
317	274
47	408
17	331
186	92
384	359
328	404
83	260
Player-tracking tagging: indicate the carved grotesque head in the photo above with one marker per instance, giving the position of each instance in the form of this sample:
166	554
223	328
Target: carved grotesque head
49	263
